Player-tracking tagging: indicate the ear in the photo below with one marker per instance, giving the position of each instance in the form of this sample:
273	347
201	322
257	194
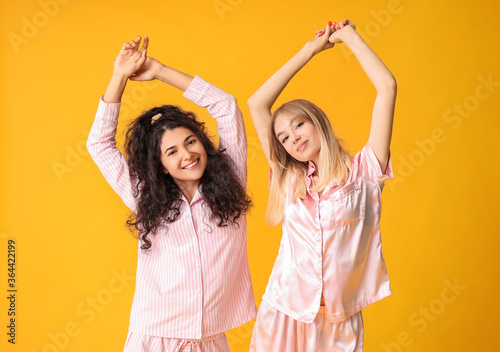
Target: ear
165	171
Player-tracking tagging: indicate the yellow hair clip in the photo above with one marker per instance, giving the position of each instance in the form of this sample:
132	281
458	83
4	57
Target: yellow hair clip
156	117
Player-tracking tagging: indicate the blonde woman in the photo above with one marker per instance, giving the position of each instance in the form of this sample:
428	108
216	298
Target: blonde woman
330	265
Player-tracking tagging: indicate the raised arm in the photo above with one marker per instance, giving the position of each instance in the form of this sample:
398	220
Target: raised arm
220	105
385	85
101	142
153	69
128	61
262	100
223	107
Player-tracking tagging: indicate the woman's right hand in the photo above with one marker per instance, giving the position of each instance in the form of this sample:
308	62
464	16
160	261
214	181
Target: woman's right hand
320	41
130	59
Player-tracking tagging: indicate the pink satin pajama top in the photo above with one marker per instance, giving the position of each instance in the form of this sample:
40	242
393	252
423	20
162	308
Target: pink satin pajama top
331	245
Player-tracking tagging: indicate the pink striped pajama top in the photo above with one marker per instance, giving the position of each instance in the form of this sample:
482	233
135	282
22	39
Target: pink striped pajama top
195	281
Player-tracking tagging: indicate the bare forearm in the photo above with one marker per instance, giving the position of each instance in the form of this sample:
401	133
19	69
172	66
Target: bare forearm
175	78
377	72
267	94
385	84
115	89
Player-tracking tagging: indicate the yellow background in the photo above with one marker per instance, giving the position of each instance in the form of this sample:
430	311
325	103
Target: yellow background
440	211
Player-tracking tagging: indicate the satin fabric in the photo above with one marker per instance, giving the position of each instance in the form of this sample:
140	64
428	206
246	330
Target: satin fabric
277	332
331	245
144	343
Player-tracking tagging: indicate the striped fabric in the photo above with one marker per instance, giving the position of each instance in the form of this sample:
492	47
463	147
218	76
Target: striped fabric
195	281
142	343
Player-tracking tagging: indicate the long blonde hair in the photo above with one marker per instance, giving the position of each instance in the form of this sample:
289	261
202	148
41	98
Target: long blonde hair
334	160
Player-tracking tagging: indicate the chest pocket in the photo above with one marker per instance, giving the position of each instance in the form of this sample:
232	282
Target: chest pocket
348	205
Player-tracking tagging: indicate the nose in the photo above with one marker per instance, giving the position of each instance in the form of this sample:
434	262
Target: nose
186	154
295	137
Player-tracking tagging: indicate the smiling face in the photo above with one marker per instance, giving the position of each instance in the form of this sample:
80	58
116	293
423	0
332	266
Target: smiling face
183	156
299	137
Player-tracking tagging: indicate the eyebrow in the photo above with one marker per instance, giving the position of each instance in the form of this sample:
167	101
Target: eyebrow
172	147
291	121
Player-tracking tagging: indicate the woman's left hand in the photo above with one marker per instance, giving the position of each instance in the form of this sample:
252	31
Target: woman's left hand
130	58
339	29
149	70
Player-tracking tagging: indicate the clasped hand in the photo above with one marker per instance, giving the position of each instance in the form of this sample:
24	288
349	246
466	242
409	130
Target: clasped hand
332	34
134	64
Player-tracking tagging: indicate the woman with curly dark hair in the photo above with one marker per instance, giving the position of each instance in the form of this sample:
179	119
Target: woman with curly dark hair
189	202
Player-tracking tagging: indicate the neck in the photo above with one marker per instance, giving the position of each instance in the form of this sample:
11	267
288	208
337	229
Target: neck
316	168
188	189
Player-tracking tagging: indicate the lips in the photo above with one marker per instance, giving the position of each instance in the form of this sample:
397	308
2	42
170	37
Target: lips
301	146
192	165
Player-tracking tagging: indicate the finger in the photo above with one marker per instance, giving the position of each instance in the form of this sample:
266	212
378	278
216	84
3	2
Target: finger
349	23
339	25
137	40
331	39
334	24
143	58
328	29
145	43
329	25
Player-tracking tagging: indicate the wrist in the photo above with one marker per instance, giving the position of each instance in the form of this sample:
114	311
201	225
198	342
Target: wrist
119	77
348	34
308	51
161	73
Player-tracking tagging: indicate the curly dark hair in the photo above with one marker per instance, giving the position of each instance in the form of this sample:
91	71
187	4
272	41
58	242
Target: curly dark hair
157	193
